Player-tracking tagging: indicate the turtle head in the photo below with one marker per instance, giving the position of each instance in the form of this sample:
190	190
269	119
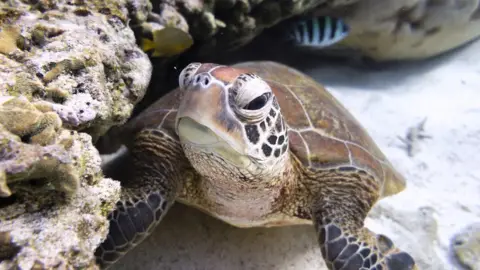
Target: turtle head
229	117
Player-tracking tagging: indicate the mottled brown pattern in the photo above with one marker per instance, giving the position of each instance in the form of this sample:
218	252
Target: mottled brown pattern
325	152
299	149
329	119
332	176
206	67
292	112
160	171
226	74
364	160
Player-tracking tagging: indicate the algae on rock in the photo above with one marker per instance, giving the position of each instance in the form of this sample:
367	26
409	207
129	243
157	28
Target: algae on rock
80	58
380	29
41	225
43	155
69	70
56	200
466	247
228	24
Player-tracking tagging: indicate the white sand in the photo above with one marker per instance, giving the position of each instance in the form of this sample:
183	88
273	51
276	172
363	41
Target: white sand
443	178
445	174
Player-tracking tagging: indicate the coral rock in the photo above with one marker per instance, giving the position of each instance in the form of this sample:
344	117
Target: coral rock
69	70
80	57
228	24
380	29
42	228
28	149
414	29
55	199
466	246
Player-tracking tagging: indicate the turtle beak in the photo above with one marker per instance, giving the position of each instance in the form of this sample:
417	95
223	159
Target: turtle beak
202	122
194	133
201	137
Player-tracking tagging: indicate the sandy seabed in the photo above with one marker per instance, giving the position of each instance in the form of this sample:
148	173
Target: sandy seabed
441	199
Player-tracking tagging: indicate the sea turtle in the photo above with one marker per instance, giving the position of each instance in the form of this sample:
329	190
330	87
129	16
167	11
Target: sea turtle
257	144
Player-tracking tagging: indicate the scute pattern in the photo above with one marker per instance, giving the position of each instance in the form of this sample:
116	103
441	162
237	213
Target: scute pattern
130	223
322	133
147	193
253	133
186	76
345	251
263	136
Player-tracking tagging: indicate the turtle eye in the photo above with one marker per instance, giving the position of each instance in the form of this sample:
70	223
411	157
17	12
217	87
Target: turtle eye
250	97
258	102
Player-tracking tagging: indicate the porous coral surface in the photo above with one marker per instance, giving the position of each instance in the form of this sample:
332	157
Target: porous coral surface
69	70
380	29
56	198
79	58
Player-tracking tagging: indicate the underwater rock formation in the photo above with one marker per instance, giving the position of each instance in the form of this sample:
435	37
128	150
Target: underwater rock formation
422	244
69	70
466	246
44	153
78	57
413	29
56	215
380	29
229	24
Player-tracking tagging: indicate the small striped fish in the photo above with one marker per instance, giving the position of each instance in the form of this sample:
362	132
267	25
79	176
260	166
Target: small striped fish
318	32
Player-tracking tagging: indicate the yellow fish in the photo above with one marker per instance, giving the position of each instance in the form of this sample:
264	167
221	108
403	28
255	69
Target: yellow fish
167	42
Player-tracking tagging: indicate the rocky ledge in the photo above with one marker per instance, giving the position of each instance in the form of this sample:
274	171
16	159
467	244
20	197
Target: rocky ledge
69	70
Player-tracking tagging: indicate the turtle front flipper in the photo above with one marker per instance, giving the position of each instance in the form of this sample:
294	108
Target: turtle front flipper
159	172
344	241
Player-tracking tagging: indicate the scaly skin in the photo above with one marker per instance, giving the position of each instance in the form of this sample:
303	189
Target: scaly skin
160	171
340	203
258	144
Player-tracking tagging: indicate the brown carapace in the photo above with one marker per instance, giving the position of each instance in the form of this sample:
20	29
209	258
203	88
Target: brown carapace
257	144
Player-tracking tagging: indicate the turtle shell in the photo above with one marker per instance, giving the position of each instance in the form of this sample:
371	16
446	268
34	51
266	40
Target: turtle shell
322	133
